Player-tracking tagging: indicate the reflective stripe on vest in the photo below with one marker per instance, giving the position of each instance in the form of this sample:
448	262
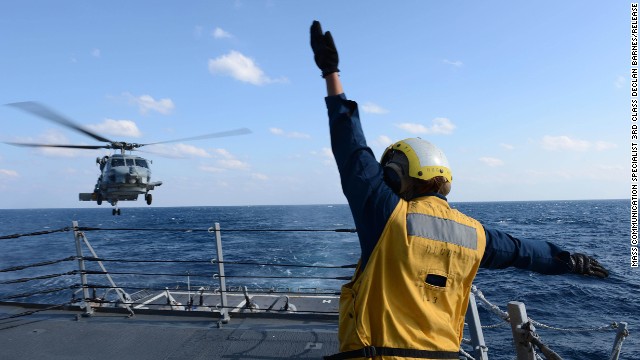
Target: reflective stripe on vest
430	227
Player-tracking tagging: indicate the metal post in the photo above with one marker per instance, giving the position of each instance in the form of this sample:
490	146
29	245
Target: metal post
83	275
475	330
121	294
620	336
224	311
518	316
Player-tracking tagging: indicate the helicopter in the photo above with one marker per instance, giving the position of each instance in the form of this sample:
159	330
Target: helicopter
123	177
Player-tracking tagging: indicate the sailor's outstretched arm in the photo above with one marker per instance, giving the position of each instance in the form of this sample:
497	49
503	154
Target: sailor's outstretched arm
504	250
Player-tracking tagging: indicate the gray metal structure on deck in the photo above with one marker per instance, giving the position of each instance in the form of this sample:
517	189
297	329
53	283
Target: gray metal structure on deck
65	334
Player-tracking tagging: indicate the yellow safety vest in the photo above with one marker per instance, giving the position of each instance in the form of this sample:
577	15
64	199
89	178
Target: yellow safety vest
414	290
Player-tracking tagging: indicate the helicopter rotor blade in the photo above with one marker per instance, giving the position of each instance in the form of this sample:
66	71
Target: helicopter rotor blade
60	146
46	113
241	131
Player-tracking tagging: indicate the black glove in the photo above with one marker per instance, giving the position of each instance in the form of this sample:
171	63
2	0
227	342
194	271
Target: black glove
324	50
585	265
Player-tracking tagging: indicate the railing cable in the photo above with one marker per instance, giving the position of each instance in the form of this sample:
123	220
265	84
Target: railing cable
36	233
43	263
213	261
84	228
16	296
21	280
95	272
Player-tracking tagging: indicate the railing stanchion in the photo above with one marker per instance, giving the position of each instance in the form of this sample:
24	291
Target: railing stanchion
88	311
518	317
475	330
620	336
224	311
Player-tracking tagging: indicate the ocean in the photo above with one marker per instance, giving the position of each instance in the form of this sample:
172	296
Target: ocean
255	237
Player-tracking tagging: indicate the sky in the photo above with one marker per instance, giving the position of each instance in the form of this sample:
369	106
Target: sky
528	100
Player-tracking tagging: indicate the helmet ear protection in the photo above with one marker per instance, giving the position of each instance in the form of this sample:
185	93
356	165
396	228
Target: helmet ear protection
395	167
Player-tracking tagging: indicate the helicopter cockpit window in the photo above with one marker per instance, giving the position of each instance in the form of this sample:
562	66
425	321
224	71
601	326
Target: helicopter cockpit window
129	162
117	162
142	163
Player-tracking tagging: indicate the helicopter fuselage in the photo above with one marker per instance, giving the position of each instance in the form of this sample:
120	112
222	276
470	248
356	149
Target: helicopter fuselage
122	178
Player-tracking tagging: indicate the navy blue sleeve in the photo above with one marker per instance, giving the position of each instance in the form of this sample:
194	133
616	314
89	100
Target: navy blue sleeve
504	250
370	199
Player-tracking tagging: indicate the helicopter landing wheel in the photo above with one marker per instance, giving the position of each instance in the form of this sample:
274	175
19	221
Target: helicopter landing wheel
149	198
99	199
115	211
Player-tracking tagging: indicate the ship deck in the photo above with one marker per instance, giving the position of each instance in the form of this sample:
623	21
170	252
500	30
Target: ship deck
163	334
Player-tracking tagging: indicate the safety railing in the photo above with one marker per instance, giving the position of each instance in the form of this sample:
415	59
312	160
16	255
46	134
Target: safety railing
528	344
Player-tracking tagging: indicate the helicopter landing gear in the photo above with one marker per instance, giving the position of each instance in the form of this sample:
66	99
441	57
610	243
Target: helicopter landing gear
115	211
149	198
99	199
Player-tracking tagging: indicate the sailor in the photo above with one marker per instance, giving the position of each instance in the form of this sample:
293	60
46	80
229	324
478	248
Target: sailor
409	293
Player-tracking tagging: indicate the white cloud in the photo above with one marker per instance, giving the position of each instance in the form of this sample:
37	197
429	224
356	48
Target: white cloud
218	33
439	126
211	169
228	161
233	164
241	68
507	146
179	151
224	161
620	81
383	141
290	134
456	63
54	137
325	155
96	53
146	103
372	108
191	150
224	153
603	145
563	142
492	162
259	176
8	173
116	128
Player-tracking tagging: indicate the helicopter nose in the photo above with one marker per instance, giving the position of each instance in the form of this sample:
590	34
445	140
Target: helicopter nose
132	177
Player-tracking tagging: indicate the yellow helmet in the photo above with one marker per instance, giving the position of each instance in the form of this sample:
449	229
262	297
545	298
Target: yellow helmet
424	161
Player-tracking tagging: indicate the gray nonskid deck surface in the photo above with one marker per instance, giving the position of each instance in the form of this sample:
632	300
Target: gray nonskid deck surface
58	334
